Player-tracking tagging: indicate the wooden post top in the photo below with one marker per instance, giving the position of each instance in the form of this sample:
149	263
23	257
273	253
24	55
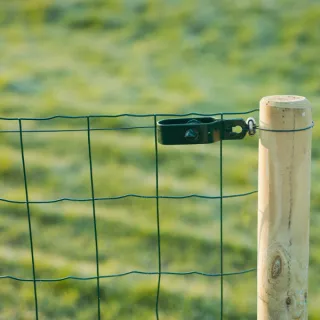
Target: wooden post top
288	112
286	101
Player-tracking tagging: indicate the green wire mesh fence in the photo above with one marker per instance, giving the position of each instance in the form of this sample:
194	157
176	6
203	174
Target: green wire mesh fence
93	199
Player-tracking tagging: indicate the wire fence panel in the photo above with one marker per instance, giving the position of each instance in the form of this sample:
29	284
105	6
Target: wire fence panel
93	199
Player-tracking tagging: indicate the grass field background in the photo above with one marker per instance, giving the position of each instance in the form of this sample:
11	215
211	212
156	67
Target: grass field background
77	57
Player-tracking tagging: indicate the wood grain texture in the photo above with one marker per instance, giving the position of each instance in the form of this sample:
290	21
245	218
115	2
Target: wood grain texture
284	208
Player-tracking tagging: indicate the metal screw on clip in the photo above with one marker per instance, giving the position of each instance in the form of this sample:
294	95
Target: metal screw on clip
192	135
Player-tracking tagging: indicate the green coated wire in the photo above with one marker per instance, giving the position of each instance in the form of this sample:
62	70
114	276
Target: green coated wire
221	223
133	115
158	215
130	273
77	130
29	221
157	197
287	130
136	127
199	196
94	217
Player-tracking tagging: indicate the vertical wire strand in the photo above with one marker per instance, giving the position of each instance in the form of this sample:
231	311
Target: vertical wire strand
29	221
158	214
221	218
94	217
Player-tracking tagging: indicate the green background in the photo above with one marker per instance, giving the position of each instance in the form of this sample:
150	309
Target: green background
80	57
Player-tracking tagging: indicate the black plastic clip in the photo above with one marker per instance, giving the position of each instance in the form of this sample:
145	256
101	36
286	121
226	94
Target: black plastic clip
200	130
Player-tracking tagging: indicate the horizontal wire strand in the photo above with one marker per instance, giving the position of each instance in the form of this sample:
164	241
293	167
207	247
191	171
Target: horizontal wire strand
77	130
132	128
132	272
133	115
136	127
287	130
130	195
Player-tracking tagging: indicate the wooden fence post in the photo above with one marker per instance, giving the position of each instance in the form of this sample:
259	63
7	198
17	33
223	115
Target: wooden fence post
284	207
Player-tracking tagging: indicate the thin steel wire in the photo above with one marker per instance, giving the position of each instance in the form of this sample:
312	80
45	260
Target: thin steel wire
158	215
77	130
136	127
93	199
168	273
221	222
29	221
199	196
133	115
287	130
94	217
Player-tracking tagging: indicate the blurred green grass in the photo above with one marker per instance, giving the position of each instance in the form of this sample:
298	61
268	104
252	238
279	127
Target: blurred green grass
80	57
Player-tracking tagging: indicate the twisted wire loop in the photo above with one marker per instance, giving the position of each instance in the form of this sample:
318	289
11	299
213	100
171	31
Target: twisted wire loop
93	199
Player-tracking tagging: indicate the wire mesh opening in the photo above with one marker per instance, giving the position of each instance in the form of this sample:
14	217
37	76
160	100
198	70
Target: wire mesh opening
94	125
